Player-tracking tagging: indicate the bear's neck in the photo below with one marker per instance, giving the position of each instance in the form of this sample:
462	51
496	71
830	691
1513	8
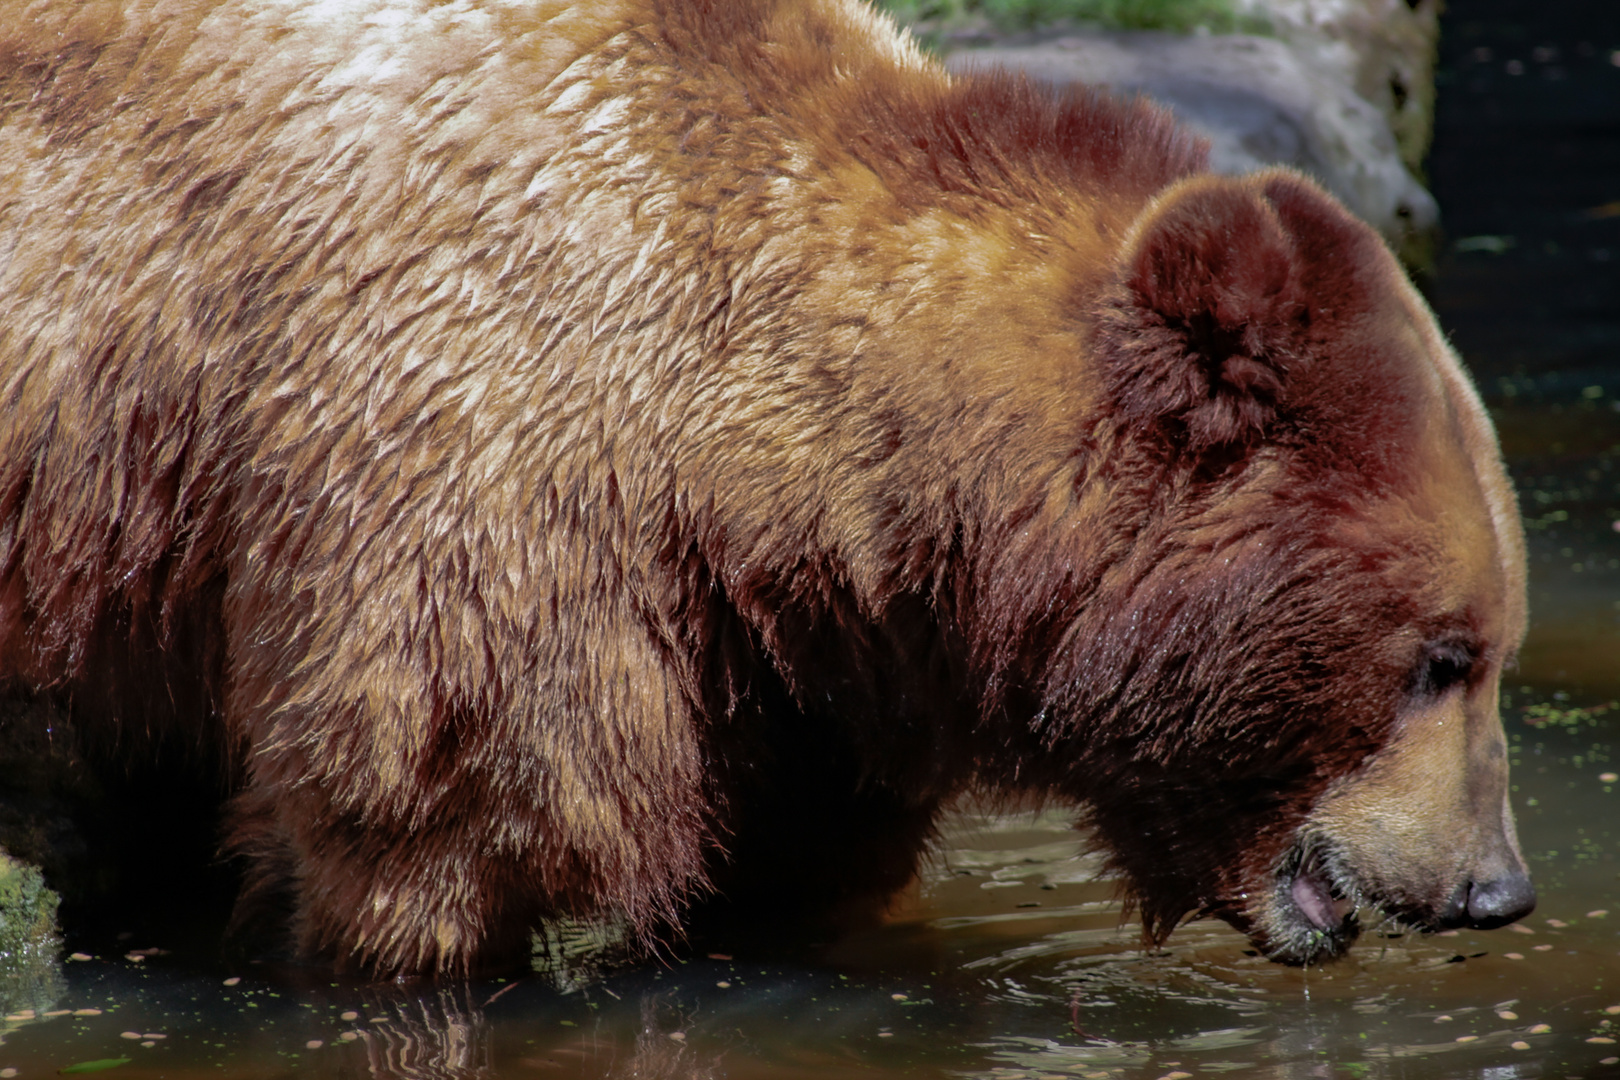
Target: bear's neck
909	460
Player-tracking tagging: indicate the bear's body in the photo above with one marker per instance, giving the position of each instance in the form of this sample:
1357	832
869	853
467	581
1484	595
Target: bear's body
585	458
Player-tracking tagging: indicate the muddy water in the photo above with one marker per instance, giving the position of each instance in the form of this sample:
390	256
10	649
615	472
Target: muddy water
1011	959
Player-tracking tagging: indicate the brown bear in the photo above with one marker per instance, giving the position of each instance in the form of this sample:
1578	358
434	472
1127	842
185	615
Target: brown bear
592	460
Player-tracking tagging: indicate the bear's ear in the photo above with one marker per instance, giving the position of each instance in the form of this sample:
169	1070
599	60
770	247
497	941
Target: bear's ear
1205	320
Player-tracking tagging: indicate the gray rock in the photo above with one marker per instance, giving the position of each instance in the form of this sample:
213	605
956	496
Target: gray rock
1382	49
1260	101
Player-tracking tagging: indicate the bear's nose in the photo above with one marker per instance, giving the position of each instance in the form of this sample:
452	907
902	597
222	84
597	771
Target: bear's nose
1500	901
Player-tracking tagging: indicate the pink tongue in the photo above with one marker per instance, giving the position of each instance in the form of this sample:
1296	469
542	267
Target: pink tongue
1314	901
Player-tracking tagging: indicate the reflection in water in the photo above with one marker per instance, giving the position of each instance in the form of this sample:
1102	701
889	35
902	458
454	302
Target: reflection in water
661	1052
1010	961
438	1036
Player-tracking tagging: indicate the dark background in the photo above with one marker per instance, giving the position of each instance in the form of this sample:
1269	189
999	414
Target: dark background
1534	158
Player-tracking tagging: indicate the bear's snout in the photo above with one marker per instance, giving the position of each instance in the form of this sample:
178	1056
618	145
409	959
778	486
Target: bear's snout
1424	834
1493	902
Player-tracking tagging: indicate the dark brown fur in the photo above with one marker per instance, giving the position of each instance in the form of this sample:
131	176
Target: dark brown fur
582	463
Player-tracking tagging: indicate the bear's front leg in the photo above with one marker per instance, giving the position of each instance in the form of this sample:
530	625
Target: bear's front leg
433	771
379	897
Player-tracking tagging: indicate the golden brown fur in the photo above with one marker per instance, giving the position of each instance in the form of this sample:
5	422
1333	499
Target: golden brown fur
578	455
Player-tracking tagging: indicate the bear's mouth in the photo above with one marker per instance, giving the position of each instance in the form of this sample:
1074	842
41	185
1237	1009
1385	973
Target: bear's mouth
1310	915
1319	899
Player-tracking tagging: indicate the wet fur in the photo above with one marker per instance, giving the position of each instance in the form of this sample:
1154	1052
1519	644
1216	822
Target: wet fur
581	461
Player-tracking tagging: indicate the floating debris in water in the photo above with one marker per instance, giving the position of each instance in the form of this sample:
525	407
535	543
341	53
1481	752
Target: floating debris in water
1546	713
99	1065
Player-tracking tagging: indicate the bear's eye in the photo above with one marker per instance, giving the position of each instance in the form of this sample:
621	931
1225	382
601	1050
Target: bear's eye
1442	666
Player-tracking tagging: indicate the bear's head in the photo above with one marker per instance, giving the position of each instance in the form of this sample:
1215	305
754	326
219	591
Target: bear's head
1280	698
